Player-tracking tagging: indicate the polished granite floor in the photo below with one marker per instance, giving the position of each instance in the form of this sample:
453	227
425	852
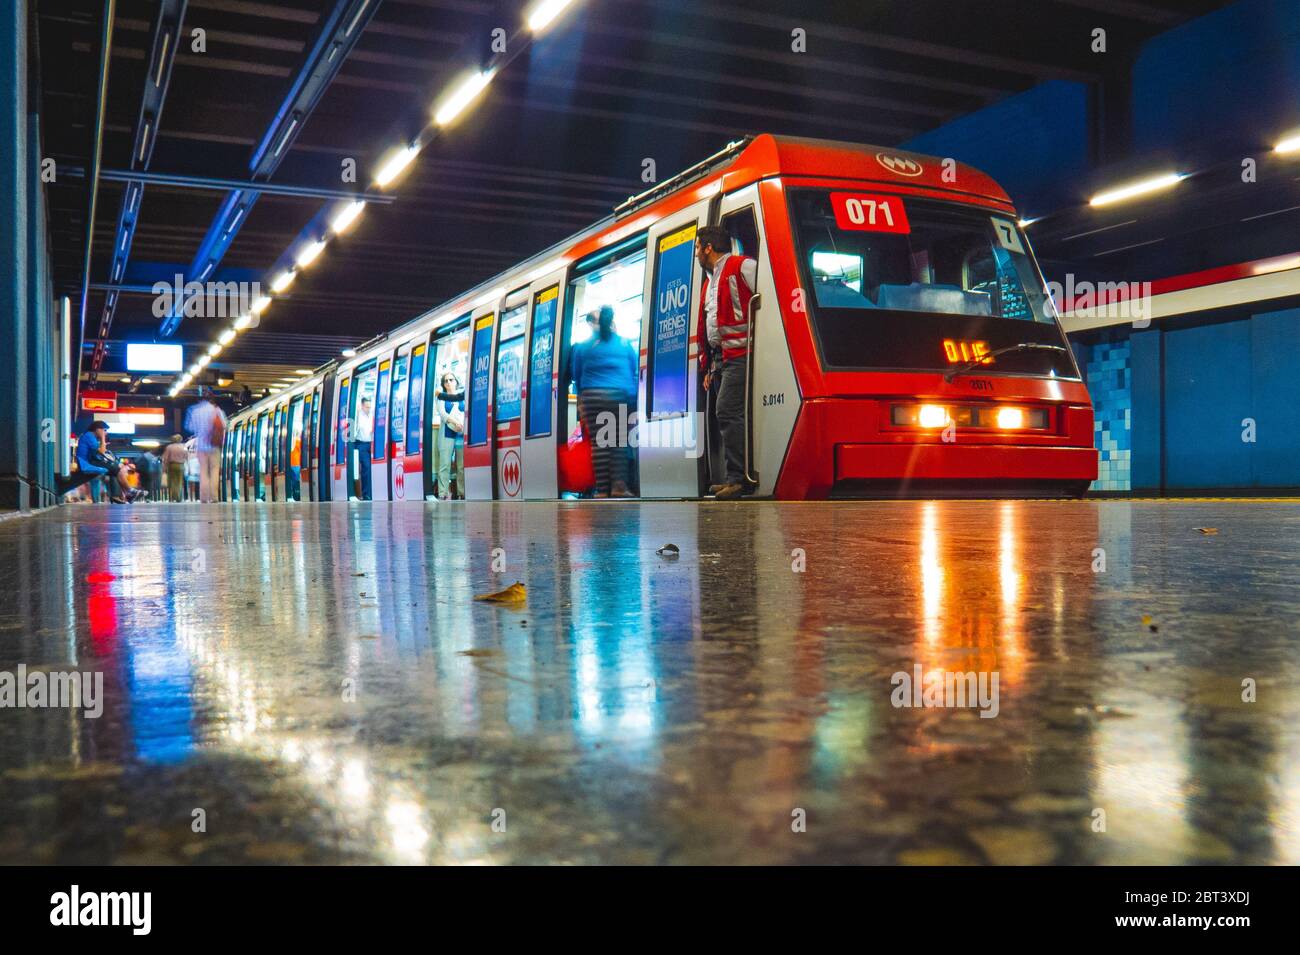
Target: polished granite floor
318	684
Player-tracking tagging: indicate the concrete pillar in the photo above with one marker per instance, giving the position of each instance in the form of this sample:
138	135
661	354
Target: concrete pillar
14	240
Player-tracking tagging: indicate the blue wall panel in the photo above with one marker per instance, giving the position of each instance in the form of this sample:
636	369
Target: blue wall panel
1144	421
1034	144
1230	78
1207	394
1276	392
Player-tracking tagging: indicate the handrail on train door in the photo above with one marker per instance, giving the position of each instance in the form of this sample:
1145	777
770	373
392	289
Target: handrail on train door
751	314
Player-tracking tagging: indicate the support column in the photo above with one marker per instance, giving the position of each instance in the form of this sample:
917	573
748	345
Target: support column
15	419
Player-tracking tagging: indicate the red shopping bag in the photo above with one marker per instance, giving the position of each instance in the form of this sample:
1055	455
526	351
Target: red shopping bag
576	472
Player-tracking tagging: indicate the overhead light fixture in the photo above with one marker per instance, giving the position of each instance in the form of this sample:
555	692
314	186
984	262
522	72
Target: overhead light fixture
309	253
462	96
146	381
243	322
541	16
349	353
195	368
125	379
260	305
1289	145
214	349
203	361
346	216
283	280
146	443
1139	188
394	165
302	371
227	336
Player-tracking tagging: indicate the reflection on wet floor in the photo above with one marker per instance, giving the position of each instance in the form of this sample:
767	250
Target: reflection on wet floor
321	684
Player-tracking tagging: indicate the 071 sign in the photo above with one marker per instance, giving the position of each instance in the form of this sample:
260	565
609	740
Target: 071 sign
864	212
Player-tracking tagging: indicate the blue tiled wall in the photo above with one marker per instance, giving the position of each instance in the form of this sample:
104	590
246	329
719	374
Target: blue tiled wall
1106	370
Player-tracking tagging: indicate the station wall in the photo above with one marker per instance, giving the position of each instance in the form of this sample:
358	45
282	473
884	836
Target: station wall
1188	406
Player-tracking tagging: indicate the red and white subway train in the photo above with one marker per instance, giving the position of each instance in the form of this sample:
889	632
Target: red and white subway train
903	343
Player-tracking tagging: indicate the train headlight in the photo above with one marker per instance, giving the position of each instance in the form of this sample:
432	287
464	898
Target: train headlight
1011	418
932	416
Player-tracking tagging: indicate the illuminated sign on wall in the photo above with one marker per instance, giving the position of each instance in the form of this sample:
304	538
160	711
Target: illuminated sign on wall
147	357
98	401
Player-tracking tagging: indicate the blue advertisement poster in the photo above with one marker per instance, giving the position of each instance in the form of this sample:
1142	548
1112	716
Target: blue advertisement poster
510	379
540	362
416	404
480	376
672	321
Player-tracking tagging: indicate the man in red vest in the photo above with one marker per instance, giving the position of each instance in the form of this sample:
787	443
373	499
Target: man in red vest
723	335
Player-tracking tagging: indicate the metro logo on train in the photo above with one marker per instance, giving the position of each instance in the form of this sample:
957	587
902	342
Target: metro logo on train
890	304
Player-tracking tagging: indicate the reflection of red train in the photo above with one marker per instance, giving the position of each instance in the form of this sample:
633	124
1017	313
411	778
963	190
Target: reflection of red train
902	343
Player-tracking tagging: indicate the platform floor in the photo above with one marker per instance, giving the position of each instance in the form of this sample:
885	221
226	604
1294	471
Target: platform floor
321	684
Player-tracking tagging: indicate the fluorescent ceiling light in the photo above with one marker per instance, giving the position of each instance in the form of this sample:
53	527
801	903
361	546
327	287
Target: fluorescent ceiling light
227	336
309	252
393	166
346	216
1142	187
195	368
1289	145
126	380
283	280
146	381
214	349
302	371
243	322
260	305
203	361
541	16
349	353
462	96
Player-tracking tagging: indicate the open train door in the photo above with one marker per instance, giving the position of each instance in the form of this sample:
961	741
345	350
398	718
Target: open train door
479	417
379	446
541	389
340	436
507	399
670	435
772	399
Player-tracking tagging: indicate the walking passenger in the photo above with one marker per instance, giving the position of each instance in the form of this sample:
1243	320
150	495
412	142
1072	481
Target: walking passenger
208	424
723	334
362	434
605	378
174	457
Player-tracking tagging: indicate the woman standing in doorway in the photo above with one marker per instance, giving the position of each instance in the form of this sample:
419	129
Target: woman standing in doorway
605	378
450	405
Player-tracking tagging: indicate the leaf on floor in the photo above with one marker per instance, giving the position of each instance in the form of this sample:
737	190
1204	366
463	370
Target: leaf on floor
516	593
1206	530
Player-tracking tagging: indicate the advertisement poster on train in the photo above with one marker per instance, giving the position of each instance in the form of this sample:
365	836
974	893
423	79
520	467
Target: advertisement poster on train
540	362
672	320
480	375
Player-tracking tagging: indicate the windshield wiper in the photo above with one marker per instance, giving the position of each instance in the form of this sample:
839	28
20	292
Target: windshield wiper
952	373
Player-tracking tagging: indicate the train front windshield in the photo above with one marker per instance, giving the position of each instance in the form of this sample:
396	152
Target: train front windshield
898	283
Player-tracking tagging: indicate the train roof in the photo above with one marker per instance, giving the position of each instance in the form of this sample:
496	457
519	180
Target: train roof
741	163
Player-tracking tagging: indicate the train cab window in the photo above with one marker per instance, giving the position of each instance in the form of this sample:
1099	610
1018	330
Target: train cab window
894	277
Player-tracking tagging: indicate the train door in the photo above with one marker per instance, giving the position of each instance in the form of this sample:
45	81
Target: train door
479	417
408	482
540	390
264	491
773	398
507	401
236	446
612	278
308	436
250	458
397	409
448	362
277	454
320	449
293	459
361	418
340	445
670	435
379	431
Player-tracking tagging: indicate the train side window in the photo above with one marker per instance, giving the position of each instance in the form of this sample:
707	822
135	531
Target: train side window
743	228
343	437
415	401
541	362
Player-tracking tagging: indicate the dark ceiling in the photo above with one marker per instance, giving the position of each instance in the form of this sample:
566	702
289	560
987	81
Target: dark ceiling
558	140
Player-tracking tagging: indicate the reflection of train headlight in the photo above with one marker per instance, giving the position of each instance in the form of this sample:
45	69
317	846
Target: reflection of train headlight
932	416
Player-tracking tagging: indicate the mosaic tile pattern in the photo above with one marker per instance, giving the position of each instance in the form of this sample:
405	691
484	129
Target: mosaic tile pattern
1106	370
